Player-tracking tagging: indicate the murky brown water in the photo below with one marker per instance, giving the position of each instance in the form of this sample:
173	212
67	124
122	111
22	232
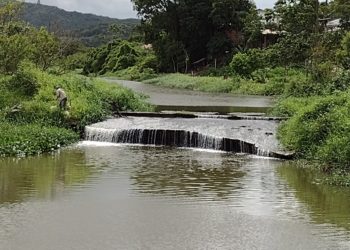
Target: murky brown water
186	100
123	197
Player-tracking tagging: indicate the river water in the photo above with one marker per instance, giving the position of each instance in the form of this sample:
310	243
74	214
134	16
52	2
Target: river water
110	196
186	100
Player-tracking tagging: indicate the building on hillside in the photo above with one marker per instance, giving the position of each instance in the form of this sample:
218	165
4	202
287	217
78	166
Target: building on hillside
333	25
269	37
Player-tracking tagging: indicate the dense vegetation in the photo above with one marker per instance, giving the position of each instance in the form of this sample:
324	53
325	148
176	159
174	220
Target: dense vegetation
184	32
32	62
122	58
90	29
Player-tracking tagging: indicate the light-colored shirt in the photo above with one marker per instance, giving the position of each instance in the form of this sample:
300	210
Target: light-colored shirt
60	94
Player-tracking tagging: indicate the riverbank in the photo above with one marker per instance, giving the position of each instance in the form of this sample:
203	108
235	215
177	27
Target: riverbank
30	120
268	82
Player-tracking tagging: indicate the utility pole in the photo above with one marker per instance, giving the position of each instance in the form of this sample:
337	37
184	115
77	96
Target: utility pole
38	2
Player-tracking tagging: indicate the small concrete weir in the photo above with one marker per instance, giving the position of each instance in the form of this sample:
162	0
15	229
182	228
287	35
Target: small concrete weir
238	136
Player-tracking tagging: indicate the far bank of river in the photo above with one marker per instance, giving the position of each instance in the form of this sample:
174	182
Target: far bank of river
187	100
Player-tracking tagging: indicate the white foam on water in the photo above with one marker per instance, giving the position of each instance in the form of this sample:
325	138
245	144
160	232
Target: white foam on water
97	144
213	151
112	144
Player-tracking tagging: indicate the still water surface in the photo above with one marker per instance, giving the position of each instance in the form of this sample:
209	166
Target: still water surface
105	196
196	101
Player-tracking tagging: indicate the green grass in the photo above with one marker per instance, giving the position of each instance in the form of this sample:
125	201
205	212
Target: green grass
90	100
263	82
29	139
38	125
133	74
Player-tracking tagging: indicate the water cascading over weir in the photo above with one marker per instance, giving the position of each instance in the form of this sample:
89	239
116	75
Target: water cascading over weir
240	136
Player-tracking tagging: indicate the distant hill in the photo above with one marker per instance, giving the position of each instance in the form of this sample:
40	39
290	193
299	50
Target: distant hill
90	29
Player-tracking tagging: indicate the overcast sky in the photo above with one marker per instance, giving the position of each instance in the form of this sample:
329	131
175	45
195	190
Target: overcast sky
113	8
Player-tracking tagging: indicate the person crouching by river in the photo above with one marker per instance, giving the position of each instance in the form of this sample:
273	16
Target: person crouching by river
61	97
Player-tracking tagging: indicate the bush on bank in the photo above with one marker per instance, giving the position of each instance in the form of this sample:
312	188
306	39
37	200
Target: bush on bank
29	139
120	56
90	100
319	128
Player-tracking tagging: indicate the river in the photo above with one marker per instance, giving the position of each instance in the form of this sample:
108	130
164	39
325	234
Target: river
109	196
187	100
98	195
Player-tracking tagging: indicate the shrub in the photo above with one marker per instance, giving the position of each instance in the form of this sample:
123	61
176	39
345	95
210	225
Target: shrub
302	88
7	97
21	140
219	72
245	64
23	83
343	54
315	127
336	150
148	62
340	82
75	61
323	72
119	56
124	62
287	107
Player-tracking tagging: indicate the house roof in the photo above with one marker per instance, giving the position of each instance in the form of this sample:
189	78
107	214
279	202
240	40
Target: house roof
333	23
269	32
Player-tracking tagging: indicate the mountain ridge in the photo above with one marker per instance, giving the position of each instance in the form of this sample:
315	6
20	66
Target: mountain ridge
91	29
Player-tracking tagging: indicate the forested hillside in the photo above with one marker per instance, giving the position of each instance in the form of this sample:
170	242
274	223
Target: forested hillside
93	30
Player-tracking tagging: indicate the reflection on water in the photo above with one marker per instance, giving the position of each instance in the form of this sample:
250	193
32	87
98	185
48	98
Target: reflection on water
127	197
169	99
326	204
188	173
41	177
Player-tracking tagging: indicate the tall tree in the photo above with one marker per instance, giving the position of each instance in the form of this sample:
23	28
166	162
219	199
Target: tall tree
195	28
252	28
9	10
298	16
299	21
342	10
45	48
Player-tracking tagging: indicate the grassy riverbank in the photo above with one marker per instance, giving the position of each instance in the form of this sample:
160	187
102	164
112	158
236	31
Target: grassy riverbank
263	82
318	128
30	121
31	139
